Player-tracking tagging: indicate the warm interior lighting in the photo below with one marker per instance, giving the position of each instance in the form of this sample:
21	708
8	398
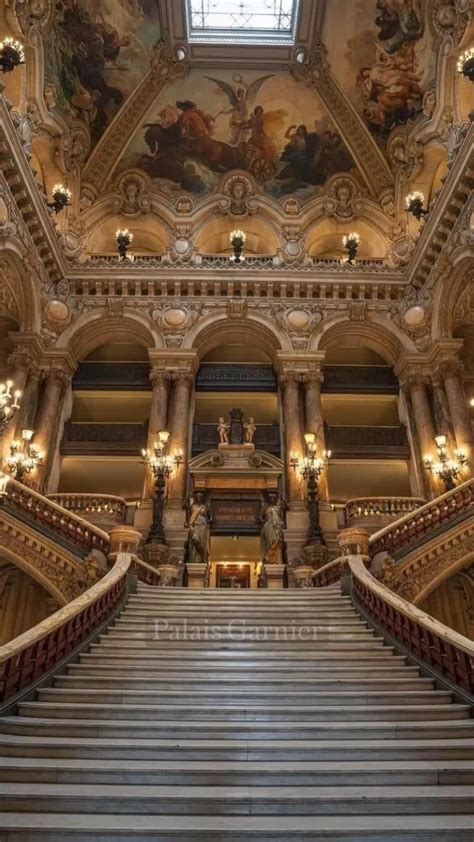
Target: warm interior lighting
465	64
414	204
12	54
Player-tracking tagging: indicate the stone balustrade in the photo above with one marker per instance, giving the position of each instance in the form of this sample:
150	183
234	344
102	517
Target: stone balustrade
47	516
33	655
378	511
96	508
424	523
447	653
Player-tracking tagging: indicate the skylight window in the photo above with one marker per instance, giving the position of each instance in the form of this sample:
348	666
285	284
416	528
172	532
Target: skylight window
242	21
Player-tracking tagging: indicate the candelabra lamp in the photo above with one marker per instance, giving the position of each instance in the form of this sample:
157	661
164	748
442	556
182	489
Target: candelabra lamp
124	239
24	456
61	198
448	469
351	245
8	403
161	466
11	54
237	241
465	64
414	204
311	468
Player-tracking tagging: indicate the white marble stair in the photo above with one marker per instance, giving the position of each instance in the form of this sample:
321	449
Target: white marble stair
151	737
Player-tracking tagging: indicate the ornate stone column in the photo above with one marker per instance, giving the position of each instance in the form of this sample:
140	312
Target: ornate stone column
458	406
48	425
315	421
419	480
425	429
293	435
180	423
441	410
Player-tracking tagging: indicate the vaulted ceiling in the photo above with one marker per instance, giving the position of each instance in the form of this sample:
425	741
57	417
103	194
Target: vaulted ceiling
152	130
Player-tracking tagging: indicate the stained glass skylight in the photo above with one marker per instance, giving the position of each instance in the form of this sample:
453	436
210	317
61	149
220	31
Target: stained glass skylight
242	21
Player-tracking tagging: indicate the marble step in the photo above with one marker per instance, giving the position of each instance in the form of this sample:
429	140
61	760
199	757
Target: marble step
131	621
240	716
318	635
232	705
448	724
50	827
110	667
74	683
352	647
229	610
254	683
126	747
235	800
379	657
238	773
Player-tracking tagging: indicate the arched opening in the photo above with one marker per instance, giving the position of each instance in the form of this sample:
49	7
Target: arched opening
214	236
23	602
325	239
107	428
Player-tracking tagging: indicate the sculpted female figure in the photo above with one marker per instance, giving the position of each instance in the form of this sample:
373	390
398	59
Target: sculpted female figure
198	522
271	539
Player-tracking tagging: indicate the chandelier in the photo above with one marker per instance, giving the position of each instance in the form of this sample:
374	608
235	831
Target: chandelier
311	468
8	403
61	198
124	239
11	54
465	64
351	245
414	204
237	240
447	469
161	466
24	456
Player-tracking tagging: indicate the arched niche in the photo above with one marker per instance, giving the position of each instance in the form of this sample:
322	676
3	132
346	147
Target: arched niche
237	353
149	237
216	331
378	339
93	330
324	239
214	236
118	352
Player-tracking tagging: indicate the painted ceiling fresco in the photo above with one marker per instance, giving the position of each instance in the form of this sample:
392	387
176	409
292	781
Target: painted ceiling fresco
381	55
265	123
98	52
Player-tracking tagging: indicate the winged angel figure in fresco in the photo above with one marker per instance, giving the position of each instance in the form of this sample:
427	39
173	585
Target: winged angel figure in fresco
185	133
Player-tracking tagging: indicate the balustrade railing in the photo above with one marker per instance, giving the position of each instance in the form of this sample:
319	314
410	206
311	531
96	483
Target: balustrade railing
100	506
330	573
425	521
33	655
49	517
380	507
450	654
147	574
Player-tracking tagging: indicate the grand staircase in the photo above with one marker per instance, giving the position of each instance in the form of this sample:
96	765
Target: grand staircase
295	721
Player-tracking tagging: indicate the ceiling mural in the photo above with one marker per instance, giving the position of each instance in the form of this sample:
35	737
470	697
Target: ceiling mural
98	52
264	123
382	55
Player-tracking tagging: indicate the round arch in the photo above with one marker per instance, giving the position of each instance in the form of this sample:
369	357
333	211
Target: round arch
377	334
99	328
447	295
215	330
20	560
22	288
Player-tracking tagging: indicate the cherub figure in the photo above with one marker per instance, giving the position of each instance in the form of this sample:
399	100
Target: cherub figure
223	429
250	428
241	97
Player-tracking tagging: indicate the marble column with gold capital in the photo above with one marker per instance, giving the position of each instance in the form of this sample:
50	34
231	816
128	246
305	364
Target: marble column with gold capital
48	422
312	383
180	426
451	372
417	384
290	385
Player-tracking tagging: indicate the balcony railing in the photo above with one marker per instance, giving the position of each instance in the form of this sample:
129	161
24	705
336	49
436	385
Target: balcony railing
364	511
110	439
97	508
236	378
364	379
389	442
65	527
130	376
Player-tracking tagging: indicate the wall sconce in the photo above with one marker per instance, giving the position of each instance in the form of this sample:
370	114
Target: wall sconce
162	467
351	244
414	204
61	198
465	64
124	239
11	54
24	456
237	240
8	403
446	468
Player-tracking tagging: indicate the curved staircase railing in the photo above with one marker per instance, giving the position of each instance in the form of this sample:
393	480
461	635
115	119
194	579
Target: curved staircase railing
97	506
63	525
449	654
362	509
426	520
33	655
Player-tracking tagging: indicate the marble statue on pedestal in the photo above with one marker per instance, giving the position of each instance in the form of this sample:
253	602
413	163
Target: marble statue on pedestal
198	521
250	429
223	428
272	542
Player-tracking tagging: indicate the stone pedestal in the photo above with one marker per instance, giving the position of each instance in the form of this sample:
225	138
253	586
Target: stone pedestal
196	575
312	558
275	576
169	566
123	539
354	541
